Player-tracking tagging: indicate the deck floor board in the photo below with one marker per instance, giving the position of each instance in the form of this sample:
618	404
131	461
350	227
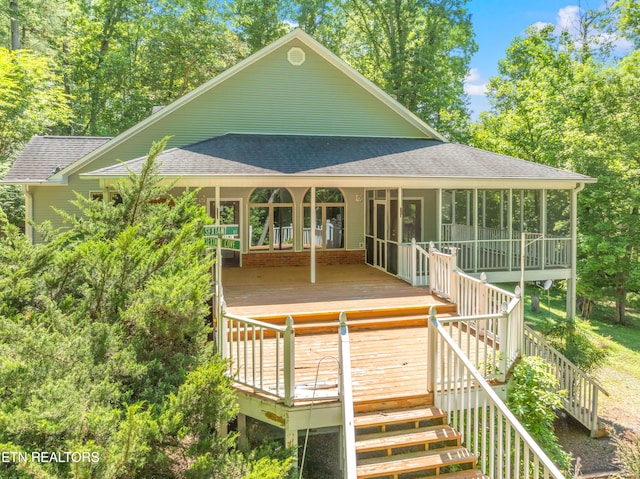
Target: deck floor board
385	363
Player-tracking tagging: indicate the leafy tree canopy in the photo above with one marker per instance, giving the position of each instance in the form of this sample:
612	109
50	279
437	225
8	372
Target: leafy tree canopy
562	101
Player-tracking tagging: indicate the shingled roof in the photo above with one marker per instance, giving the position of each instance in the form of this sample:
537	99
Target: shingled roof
277	155
45	155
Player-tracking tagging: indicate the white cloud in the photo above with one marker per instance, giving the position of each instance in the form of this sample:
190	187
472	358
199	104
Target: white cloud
473	83
568	18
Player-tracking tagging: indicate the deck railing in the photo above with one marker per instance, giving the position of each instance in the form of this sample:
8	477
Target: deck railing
491	249
442	270
413	263
255	362
504	448
581	400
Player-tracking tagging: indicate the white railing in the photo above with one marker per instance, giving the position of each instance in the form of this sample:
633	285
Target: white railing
442	269
262	355
493	250
504	448
413	264
581	400
346	397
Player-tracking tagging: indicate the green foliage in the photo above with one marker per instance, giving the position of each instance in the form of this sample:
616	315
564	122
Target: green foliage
32	99
534	400
103	342
577	342
417	51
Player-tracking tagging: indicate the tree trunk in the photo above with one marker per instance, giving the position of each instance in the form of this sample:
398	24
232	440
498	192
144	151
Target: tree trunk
621	305
15	27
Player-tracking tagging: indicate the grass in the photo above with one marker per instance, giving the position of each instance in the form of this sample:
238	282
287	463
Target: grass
620	376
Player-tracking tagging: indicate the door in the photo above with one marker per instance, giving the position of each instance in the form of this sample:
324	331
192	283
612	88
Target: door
380	245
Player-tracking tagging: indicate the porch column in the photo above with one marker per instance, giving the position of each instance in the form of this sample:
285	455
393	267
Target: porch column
400	220
216	214
439	217
28	213
476	229
510	226
571	282
543	228
313	235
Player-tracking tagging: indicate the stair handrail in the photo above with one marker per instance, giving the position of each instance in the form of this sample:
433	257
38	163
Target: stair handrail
346	397
509	451
580	402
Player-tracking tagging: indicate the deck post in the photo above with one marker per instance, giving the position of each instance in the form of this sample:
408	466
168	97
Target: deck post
289	364
346	397
222	329
291	443
243	440
413	262
432	267
503	333
453	267
432	351
594	412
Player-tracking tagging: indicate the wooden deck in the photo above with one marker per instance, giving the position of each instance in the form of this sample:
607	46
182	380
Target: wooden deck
257	292
386	363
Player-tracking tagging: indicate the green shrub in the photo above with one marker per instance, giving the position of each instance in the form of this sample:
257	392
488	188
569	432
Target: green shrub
576	341
534	400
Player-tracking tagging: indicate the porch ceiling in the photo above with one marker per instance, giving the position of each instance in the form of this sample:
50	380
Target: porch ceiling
257	292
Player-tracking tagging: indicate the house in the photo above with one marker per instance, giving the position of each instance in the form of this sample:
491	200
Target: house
318	166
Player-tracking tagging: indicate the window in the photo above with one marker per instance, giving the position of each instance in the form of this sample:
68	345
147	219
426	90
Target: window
115	198
328	232
270	219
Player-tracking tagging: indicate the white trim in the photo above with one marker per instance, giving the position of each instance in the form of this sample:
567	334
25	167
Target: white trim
367	182
296	34
28	213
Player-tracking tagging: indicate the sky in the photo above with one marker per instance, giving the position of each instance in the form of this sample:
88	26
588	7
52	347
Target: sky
497	22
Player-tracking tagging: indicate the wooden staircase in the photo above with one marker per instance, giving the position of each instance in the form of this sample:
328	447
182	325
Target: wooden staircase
409	438
325	322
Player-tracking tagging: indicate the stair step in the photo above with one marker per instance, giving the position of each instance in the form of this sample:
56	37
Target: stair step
432	461
468	474
362	324
398	439
392	403
356	314
397	416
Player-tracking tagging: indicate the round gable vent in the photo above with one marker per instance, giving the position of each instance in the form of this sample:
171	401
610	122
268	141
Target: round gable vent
296	56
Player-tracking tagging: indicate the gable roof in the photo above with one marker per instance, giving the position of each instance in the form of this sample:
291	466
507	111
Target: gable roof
44	156
190	98
238	155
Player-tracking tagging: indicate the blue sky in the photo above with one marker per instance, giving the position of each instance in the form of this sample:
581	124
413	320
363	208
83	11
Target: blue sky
497	22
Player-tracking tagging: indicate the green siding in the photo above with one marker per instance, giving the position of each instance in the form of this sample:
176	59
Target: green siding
272	96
